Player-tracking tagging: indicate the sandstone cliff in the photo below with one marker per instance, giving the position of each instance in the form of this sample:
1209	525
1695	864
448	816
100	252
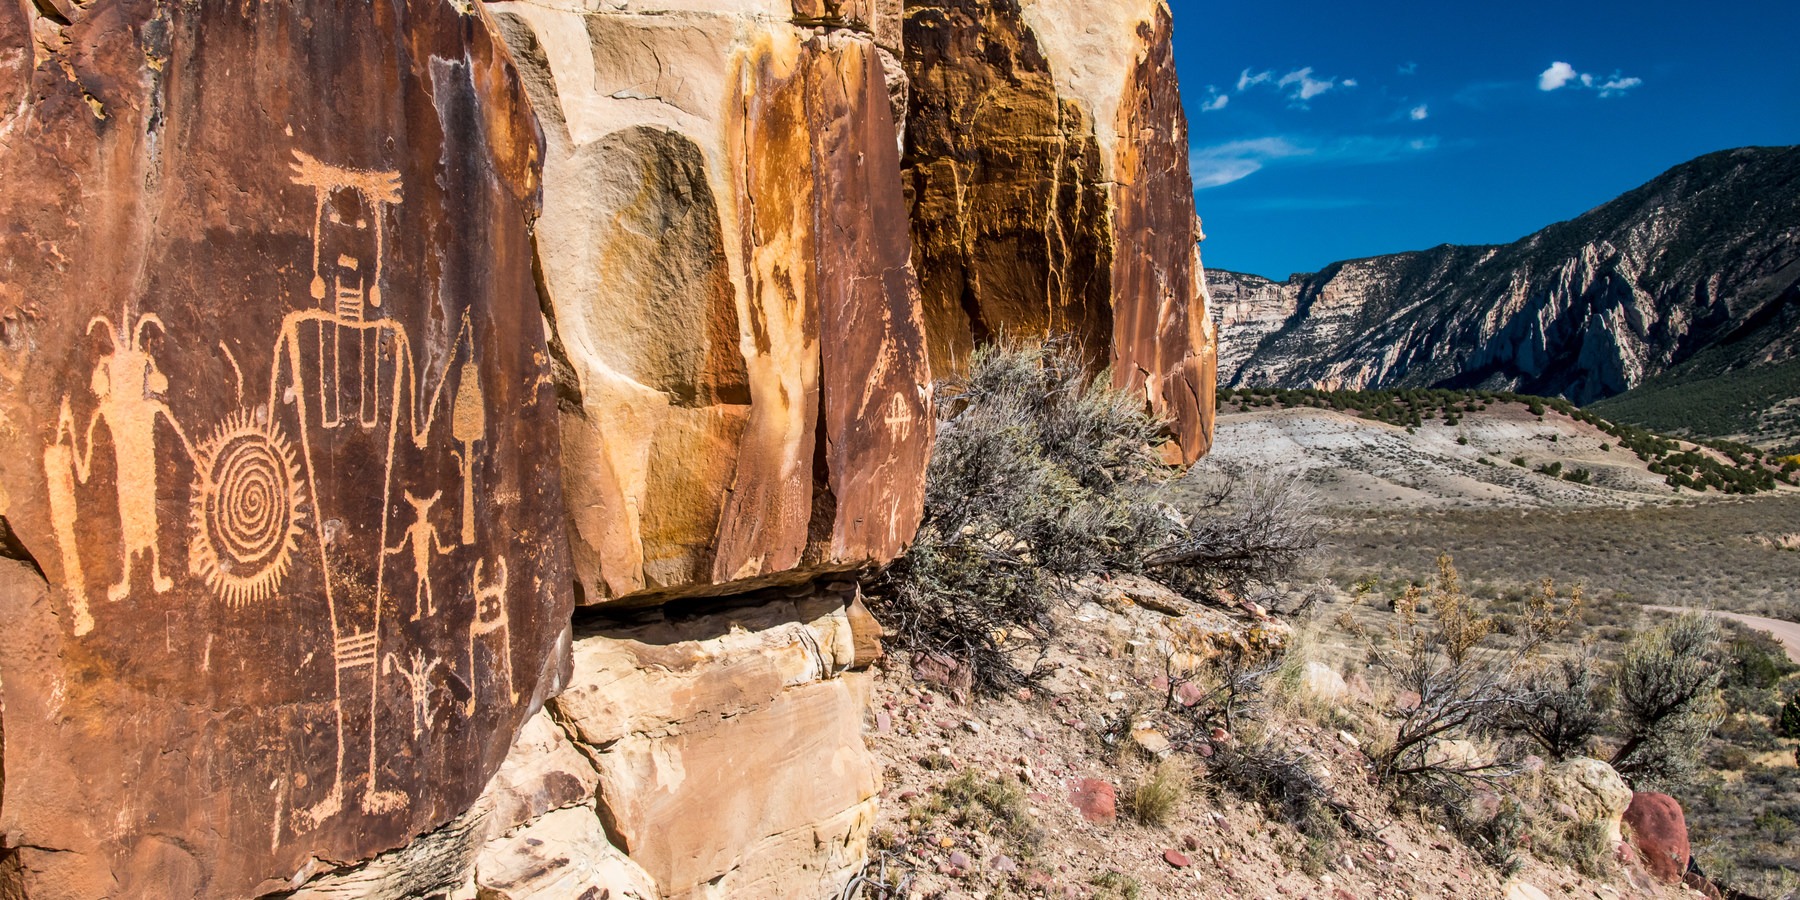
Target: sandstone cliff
441	439
741	357
1706	255
1046	160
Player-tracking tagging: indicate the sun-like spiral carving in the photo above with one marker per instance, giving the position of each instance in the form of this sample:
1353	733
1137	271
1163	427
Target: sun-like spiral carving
247	507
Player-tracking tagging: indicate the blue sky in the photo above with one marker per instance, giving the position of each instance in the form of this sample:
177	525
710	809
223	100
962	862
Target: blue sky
1328	131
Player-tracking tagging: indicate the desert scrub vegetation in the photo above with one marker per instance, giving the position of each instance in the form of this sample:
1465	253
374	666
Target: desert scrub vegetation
1697	464
1158	793
1044	474
1691	555
1467	671
992	806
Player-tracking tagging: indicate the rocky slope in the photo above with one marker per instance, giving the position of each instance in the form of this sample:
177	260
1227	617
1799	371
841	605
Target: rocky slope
1705	256
440	439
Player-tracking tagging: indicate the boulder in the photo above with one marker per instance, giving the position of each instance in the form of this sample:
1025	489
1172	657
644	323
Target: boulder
1456	755
1096	799
1323	682
280	438
562	856
543	772
1046	155
1659	831
1521	890
1591	790
729	744
736	325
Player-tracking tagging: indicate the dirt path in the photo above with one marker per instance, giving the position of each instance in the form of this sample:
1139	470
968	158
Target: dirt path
1788	633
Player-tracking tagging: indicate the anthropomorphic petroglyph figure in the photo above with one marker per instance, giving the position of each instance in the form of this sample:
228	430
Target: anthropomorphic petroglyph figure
490	625
343	370
423	540
128	388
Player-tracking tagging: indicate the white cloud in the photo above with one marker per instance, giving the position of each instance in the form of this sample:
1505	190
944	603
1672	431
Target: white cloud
1223	164
1617	85
1420	113
1411	68
1215	101
1299	85
1247	80
1556	76
1561	74
1305	86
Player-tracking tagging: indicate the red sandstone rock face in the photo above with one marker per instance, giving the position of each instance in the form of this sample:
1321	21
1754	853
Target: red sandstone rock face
1046	162
280	437
1163	333
1659	831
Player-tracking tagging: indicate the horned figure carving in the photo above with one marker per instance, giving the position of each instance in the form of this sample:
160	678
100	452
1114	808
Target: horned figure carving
128	390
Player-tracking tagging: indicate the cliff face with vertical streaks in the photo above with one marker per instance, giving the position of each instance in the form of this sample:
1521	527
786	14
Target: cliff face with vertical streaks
1045	159
442	439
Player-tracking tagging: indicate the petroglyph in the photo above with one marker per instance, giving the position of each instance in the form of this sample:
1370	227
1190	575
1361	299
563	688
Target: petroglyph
422	540
343	383
247	507
418	679
128	391
490	627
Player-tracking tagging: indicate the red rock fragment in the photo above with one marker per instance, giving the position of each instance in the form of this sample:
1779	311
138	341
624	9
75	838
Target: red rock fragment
1096	800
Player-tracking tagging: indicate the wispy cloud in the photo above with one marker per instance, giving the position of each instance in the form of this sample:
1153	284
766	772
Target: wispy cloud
1561	75
1419	113
1215	100
1222	164
1299	85
1411	68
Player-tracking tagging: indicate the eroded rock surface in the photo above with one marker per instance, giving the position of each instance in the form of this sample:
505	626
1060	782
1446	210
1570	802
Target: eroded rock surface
729	743
1046	162
724	249
701	751
279	432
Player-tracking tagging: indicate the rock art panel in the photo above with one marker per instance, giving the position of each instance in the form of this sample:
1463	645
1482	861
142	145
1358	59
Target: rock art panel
1046	169
277	408
741	360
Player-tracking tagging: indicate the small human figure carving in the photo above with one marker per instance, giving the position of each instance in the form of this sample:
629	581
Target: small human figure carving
423	540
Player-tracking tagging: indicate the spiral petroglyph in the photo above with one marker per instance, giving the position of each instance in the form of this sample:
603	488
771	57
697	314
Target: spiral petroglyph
247	509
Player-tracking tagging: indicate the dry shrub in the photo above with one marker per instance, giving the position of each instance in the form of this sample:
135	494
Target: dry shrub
1467	675
1044	473
1667	689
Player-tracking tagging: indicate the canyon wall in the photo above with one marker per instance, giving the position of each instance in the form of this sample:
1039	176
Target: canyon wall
1046	161
442	439
1694	274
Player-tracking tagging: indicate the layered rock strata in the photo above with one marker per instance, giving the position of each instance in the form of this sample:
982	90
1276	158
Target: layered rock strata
1046	161
278	442
724	256
699	752
1696	273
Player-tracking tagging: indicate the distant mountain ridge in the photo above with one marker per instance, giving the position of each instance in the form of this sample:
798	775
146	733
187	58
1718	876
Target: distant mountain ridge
1698	267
